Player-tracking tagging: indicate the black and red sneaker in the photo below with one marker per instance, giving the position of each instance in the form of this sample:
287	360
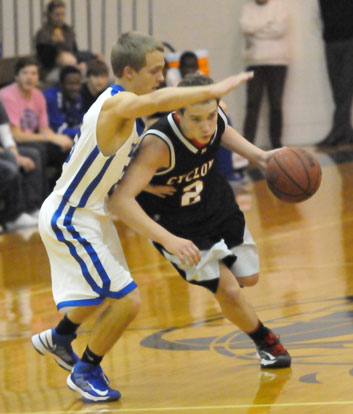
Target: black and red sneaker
272	353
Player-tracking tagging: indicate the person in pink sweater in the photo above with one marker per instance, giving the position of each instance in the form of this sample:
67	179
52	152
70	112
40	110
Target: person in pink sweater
26	108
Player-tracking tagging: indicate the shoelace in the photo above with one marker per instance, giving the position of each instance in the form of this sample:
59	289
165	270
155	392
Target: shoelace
272	343
100	374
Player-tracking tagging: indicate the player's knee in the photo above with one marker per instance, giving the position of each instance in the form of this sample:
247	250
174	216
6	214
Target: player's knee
249	280
229	295
135	302
129	304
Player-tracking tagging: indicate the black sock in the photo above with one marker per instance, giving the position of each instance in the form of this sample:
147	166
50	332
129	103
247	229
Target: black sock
259	334
90	357
66	327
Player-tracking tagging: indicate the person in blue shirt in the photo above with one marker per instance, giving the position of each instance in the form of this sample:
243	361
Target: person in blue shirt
64	102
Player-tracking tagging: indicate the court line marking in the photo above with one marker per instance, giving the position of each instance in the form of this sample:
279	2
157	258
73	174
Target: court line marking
214	407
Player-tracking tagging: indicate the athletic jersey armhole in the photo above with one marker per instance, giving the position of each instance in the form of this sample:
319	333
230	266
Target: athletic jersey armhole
223	116
164	138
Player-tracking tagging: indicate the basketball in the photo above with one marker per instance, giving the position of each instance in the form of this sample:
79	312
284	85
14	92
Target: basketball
293	174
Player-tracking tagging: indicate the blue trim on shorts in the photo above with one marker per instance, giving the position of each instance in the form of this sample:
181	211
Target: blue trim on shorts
97	301
123	292
81	302
91	252
67	223
60	237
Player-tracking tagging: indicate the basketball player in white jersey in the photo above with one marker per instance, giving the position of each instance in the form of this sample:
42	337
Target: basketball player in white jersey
183	192
88	267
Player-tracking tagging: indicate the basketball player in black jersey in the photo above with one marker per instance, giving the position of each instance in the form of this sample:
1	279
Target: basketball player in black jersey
173	179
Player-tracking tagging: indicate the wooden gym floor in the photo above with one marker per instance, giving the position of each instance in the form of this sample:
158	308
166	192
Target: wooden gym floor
180	355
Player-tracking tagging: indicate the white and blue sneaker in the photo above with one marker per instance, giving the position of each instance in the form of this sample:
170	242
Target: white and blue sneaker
49	342
91	382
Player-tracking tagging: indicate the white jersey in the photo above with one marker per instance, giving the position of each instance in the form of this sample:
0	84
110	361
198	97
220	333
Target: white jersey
87	174
86	258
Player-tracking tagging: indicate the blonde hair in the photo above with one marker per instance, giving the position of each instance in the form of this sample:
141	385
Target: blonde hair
131	50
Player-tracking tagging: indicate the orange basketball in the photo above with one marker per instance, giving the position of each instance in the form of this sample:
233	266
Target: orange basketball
293	174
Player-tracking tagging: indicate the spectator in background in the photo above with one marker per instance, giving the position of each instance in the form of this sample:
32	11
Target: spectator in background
64	102
63	58
26	108
188	63
97	76
264	24
56	34
21	173
337	20
224	160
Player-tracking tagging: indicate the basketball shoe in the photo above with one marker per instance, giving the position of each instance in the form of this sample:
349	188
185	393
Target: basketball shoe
91	382
49	342
272	353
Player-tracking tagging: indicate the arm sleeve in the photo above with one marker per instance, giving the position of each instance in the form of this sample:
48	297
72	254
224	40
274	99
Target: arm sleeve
12	109
4	119
6	138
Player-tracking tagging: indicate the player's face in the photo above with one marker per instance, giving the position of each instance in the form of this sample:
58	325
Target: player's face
199	121
27	78
148	78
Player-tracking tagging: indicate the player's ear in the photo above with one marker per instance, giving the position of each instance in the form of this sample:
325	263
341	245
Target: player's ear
128	72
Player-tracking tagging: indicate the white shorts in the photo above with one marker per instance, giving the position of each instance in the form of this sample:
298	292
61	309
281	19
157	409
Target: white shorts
86	258
247	263
207	272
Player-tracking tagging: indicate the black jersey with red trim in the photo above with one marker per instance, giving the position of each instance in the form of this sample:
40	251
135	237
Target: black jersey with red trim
203	205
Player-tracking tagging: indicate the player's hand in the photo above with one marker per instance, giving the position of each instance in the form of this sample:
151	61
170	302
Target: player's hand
225	86
267	155
184	249
160	190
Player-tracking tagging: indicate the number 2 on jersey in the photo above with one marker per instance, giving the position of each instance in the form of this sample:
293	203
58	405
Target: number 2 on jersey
192	193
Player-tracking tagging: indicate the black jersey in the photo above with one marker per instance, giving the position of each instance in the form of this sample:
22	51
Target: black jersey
203	205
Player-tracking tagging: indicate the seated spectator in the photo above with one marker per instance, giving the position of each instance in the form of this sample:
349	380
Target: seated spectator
26	108
56	34
97	76
64	102
21	191
188	63
63	58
